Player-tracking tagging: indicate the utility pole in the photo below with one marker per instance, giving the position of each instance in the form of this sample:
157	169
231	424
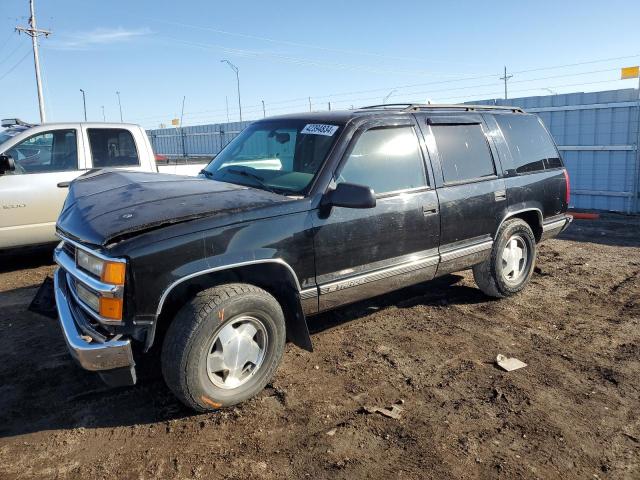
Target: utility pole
184	152
235	69
84	103
329	105
34	33
103	117
309	103
505	78
264	112
119	105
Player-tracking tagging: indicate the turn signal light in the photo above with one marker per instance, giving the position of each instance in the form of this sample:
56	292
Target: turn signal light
111	308
113	273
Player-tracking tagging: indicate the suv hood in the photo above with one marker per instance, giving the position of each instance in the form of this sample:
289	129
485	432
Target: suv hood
107	204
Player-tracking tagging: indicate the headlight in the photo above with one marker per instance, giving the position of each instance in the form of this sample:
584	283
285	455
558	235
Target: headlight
88	297
108	272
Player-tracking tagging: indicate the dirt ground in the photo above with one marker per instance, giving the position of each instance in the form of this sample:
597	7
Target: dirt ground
573	412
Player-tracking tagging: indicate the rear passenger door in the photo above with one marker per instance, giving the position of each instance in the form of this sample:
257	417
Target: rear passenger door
471	191
364	252
112	148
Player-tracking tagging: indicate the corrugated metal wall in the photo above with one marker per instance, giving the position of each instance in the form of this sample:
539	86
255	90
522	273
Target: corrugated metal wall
196	140
596	133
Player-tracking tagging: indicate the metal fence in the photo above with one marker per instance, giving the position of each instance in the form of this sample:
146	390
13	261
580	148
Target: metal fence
597	134
198	140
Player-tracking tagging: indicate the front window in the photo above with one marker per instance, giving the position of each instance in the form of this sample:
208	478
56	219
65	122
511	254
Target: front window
53	151
282	156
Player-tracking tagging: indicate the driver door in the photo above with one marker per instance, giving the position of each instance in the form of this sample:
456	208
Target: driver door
364	252
31	196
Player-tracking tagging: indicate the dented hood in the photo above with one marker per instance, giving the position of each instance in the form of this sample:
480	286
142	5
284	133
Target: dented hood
106	205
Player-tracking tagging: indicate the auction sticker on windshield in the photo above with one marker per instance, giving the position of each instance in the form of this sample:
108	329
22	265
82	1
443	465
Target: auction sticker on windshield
319	129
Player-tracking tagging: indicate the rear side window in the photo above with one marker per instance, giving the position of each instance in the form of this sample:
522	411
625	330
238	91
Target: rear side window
387	160
112	147
464	152
530	145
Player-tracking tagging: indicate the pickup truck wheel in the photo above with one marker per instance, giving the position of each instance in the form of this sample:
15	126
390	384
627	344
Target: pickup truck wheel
223	346
508	270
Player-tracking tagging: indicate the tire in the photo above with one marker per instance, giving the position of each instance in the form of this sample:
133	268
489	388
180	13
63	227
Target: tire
214	330
504	274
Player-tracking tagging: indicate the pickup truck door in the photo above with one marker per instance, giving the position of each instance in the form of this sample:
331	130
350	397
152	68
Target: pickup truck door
471	190
31	197
365	252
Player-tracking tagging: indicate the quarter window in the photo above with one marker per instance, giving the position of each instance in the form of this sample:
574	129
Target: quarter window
53	151
112	147
387	160
464	152
531	147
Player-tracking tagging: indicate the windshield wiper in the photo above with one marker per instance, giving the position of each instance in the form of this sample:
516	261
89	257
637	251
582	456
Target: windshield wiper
255	177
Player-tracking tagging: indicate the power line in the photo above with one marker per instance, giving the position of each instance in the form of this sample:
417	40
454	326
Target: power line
304	45
15	66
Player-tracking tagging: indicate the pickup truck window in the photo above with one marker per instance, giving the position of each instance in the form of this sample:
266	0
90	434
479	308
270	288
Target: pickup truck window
52	151
531	148
281	155
464	152
387	160
112	147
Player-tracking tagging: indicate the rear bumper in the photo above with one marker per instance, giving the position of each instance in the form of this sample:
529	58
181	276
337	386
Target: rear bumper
555	226
90	354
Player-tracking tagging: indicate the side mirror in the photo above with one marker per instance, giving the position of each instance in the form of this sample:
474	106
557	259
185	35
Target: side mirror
350	195
7	164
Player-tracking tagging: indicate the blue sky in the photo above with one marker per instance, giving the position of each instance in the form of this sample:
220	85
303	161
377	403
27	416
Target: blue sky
346	52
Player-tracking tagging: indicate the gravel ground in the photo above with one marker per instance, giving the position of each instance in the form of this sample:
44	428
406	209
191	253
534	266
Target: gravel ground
571	413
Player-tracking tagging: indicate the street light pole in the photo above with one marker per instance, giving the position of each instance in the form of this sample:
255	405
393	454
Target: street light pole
120	106
103	117
84	103
384	100
235	69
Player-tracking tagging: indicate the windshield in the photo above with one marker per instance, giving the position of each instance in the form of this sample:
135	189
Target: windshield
10	133
281	156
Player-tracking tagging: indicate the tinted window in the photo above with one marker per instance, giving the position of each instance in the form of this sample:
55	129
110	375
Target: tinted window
531	147
385	159
54	151
464	152
112	147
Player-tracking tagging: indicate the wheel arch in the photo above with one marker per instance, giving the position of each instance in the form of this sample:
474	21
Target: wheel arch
532	216
273	275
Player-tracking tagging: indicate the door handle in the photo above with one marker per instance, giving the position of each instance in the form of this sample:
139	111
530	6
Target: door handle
63	184
500	195
429	210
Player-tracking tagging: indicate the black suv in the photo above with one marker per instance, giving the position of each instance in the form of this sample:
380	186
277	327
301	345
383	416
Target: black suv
297	215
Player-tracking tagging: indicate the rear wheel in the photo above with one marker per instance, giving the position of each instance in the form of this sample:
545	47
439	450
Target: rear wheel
508	270
223	346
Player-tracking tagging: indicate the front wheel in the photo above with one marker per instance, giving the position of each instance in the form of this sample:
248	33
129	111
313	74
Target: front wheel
508	270
223	346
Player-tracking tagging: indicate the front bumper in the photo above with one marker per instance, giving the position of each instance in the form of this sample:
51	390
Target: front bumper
113	355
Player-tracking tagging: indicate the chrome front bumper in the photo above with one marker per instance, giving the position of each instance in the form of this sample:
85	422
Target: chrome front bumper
91	355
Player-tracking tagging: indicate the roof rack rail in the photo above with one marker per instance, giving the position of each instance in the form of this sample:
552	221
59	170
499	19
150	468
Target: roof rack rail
416	107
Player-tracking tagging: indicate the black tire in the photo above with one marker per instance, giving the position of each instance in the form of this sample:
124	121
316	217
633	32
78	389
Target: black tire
490	275
191	335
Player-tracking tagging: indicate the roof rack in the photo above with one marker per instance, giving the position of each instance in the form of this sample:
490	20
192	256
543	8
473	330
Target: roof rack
416	107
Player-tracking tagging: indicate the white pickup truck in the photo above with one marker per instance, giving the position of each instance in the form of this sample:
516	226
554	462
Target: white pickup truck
38	162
